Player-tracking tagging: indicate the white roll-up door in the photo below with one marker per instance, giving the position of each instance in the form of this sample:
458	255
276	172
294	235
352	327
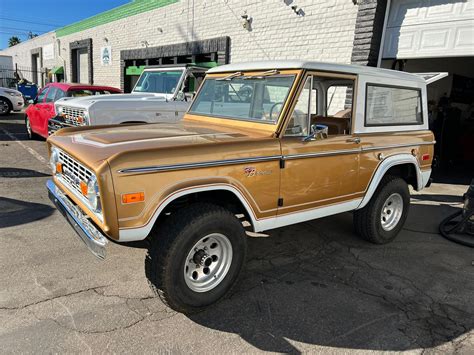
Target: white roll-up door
429	29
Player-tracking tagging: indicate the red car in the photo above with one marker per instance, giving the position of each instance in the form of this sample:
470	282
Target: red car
42	107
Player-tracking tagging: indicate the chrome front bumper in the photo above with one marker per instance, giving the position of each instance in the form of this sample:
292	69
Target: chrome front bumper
87	232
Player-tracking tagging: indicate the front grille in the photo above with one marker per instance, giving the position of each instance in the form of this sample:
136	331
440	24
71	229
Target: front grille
74	116
73	171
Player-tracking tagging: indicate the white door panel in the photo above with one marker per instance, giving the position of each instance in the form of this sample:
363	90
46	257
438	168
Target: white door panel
429	28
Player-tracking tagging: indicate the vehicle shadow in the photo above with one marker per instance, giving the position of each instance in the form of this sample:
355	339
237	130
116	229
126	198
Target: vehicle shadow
16	173
15	212
317	283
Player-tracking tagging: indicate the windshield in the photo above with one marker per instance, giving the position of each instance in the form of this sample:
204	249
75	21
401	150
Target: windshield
84	92
162	82
251	98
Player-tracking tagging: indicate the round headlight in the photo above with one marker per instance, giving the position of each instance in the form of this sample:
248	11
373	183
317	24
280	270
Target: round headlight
54	159
93	193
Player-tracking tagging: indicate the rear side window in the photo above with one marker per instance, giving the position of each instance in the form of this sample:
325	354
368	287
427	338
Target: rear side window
392	106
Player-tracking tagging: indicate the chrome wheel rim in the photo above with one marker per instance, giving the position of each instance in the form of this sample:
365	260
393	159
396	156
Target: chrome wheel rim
3	106
392	211
208	262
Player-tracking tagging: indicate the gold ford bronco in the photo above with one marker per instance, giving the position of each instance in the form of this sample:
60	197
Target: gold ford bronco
277	142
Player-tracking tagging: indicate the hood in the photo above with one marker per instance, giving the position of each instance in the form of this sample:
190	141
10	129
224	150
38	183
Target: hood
87	101
94	145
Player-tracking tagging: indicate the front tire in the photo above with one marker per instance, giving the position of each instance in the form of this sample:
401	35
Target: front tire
195	257
5	107
29	131
381	220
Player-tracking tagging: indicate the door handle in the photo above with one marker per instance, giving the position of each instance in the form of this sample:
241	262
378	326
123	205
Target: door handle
355	140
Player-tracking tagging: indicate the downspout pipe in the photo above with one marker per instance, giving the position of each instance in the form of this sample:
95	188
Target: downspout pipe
58	42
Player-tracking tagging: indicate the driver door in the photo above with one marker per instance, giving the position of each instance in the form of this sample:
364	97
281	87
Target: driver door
323	170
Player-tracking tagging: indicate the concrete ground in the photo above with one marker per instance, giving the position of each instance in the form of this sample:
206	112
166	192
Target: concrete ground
311	287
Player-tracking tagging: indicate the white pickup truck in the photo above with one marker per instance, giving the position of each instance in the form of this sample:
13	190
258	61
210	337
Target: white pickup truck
161	94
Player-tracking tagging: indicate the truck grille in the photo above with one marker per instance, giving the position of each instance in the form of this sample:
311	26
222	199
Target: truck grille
73	172
74	116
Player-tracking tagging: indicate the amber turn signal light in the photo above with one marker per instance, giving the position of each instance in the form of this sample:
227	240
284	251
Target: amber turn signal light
133	197
83	188
59	168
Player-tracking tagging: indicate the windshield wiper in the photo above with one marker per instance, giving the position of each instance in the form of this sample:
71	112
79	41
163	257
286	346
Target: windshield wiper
231	76
264	74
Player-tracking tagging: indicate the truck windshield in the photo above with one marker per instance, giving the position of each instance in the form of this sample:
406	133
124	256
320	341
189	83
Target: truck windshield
251	98
87	92
161	82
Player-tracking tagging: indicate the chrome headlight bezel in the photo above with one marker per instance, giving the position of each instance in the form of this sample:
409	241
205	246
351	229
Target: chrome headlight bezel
93	195
86	117
54	159
59	109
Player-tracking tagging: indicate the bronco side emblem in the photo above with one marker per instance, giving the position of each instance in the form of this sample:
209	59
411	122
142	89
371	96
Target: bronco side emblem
250	171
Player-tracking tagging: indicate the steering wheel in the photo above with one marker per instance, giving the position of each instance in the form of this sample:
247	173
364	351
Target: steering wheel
245	93
273	107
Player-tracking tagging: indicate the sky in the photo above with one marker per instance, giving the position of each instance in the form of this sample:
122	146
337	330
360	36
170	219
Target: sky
17	17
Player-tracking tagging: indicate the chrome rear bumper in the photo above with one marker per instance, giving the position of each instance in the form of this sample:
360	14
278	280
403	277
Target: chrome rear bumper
87	232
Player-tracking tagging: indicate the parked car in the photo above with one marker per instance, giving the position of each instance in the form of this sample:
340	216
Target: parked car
10	100
41	109
161	94
277	142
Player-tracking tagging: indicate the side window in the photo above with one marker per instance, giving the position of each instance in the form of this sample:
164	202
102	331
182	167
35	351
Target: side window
324	106
392	106
42	95
339	100
51	94
59	94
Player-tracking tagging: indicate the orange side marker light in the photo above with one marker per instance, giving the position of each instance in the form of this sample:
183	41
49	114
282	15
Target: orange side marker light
84	188
133	197
59	168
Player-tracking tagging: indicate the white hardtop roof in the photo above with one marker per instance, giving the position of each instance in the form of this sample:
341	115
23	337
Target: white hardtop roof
318	66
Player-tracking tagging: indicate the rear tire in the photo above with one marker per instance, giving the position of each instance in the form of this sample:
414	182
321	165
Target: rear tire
5	106
195	257
381	220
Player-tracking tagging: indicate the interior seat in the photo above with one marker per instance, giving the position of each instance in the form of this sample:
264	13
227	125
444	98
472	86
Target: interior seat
338	124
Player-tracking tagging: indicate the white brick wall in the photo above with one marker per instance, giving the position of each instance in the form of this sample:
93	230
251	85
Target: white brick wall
325	32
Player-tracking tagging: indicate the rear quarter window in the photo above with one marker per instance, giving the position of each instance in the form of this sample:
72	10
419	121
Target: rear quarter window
392	106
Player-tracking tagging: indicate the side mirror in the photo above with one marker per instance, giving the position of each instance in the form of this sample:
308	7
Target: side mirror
180	96
318	131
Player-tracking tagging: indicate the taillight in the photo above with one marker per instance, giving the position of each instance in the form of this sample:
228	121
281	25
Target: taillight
425	157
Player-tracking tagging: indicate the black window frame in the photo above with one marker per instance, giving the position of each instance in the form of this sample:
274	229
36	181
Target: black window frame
393	87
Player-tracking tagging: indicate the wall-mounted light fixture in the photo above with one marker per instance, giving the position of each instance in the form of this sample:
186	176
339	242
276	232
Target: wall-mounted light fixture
144	44
159	29
298	10
106	40
246	21
355	2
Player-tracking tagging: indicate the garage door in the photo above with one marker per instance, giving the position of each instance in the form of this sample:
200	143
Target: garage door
429	28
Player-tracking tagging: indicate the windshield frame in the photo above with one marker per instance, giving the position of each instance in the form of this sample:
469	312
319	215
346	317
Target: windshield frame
270	123
178	86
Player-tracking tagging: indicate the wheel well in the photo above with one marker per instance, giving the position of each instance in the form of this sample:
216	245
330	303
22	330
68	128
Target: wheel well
405	171
223	198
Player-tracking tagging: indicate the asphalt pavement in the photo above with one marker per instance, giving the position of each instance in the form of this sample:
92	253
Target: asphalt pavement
311	287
